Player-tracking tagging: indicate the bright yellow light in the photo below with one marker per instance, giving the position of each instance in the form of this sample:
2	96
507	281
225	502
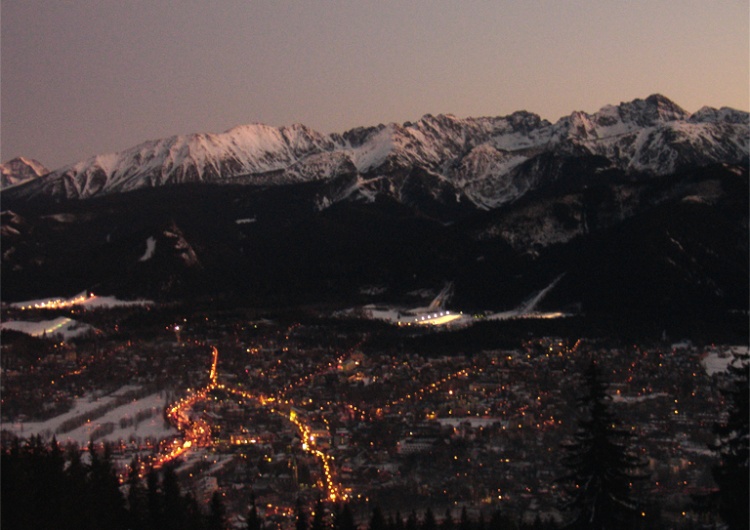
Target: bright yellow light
439	321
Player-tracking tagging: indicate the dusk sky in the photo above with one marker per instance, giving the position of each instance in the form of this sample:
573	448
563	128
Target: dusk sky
97	76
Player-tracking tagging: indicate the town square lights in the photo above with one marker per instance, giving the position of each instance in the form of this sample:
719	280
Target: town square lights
197	433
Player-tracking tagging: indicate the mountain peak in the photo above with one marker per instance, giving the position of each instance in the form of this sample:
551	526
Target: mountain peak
724	114
666	108
20	170
653	110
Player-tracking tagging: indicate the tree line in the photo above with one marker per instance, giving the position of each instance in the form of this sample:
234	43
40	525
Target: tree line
46	487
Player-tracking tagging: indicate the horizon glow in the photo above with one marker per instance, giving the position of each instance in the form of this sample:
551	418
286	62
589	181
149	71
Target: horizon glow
81	79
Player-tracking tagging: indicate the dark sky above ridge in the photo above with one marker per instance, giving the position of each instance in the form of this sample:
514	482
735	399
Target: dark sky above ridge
97	76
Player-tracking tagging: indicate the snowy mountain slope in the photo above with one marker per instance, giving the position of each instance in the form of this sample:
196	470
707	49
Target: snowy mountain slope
249	149
20	170
487	161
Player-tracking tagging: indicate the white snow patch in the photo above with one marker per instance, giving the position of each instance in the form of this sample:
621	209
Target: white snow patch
110	301
375	151
474	422
637	399
695	199
245	221
372	290
719	359
385	313
90	301
527	308
696	449
150	248
151	427
65	327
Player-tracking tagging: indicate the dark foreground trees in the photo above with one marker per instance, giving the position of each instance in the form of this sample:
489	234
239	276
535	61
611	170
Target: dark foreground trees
731	473
601	469
42	488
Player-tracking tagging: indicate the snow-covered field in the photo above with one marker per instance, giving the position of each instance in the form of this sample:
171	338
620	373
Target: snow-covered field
474	422
64	327
89	301
104	419
150	249
638	399
718	359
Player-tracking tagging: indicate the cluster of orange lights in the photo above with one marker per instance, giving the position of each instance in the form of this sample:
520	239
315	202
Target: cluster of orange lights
176	451
429	389
308	445
60	303
212	374
196	433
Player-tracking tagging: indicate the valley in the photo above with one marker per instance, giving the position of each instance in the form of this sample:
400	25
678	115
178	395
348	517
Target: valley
406	320
283	405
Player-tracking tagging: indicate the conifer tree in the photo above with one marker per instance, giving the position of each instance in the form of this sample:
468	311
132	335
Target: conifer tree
105	497
52	484
601	468
174	505
154	501
301	521
254	521
447	522
318	522
429	522
499	521
136	497
377	520
217	513
412	523
398	521
464	523
481	524
731	473
75	494
344	519
12	483
193	515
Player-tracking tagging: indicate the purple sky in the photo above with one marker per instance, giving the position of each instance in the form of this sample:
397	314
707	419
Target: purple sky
86	77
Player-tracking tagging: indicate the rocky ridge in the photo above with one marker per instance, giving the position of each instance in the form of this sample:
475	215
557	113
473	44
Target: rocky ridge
486	162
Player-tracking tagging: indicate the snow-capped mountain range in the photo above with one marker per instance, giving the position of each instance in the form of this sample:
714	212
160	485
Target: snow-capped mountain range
487	161
638	211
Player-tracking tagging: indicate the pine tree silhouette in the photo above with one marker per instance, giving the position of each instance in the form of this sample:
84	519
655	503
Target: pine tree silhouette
217	513
174	505
377	519
254	521
601	468
344	519
136	497
319	522
447	523
731	473
301	520
429	522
